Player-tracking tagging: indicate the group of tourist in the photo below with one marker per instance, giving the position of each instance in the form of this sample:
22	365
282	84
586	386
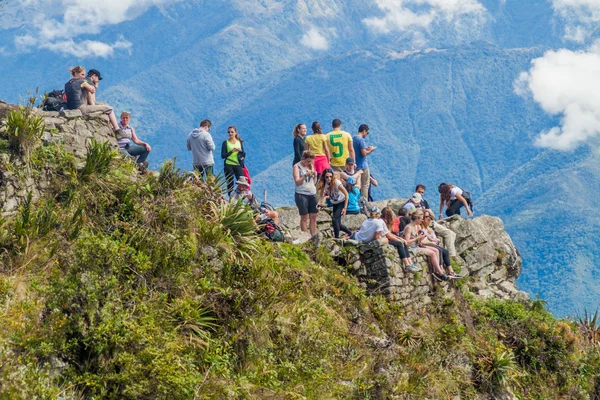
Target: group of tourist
329	170
80	94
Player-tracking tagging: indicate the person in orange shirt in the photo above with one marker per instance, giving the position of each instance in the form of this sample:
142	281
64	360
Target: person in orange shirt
340	146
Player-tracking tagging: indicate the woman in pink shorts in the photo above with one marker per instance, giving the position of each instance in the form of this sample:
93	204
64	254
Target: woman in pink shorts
317	143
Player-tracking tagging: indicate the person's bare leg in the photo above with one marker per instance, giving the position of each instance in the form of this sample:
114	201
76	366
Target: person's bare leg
435	262
113	120
274	216
313	224
304	223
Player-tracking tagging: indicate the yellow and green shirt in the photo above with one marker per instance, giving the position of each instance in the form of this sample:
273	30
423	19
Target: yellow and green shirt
339	143
233	157
315	143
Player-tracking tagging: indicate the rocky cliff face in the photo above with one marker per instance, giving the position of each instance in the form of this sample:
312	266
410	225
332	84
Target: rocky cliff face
70	129
490	262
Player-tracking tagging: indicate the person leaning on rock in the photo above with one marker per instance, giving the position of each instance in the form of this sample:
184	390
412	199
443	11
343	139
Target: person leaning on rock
81	95
130	145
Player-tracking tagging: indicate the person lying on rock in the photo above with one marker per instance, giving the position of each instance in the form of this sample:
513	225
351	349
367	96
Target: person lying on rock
375	228
454	198
413	235
81	95
431	240
243	193
130	145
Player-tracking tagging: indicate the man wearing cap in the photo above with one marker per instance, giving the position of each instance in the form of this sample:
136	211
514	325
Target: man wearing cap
243	193
350	170
90	106
361	151
340	145
413	203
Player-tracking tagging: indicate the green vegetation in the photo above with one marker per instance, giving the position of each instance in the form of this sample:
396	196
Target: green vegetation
24	128
116	287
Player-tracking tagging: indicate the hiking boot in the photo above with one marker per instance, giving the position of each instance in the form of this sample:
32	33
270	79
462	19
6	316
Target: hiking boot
143	167
412	268
119	134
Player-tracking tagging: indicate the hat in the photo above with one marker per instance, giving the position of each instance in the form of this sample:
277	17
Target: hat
349	160
351	180
95	72
375	210
416	198
242	181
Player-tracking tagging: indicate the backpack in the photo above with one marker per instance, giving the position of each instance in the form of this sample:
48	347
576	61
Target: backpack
272	231
54	101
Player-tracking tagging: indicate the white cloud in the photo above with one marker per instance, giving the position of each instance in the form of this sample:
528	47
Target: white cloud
70	19
315	40
567	83
582	17
404	15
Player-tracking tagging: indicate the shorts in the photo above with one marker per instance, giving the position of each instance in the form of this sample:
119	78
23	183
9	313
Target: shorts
103	108
321	164
306	203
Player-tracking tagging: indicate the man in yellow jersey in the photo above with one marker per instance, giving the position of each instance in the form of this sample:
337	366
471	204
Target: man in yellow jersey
340	146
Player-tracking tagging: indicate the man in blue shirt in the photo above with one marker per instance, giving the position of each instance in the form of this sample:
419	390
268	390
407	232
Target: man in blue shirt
361	151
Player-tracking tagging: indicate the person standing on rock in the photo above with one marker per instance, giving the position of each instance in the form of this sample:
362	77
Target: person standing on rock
413	235
454	198
317	144
201	144
232	151
362	150
376	228
130	145
299	135
340	145
305	195
330	187
81	95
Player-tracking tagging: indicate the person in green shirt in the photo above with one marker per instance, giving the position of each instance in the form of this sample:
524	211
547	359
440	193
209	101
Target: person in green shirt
232	151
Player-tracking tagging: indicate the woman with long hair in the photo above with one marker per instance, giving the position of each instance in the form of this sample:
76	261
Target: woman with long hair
387	215
413	235
454	198
353	196
331	187
299	135
317	143
431	240
232	151
305	195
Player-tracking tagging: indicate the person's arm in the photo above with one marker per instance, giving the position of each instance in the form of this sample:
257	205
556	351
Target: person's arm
441	207
88	87
224	152
209	143
464	201
299	180
297	147
189	144
135	140
397	238
351	148
342	189
373	181
326	149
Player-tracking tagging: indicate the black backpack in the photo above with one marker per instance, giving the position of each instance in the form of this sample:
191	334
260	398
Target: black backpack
54	101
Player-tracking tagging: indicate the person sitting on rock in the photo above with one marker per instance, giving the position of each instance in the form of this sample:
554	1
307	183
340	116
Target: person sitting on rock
353	196
413	203
431	240
413	235
243	193
330	187
81	95
421	190
130	145
350	170
401	221
454	198
375	228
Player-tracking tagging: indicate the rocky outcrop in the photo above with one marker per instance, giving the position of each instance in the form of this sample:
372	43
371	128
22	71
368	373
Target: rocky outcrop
488	260
69	129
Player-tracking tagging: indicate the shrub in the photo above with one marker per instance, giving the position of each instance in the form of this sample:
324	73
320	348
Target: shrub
495	368
24	128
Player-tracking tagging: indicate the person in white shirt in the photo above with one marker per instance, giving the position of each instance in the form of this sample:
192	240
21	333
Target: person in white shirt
454	198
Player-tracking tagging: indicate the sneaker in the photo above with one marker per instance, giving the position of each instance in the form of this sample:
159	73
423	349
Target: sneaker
436	276
442	277
412	268
453	275
143	166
